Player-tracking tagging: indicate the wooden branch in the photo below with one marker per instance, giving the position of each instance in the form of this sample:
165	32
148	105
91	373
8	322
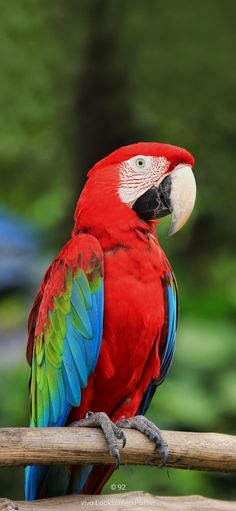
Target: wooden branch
131	501
196	451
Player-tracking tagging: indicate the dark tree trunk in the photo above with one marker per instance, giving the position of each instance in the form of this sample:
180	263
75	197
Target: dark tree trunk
102	118
103	113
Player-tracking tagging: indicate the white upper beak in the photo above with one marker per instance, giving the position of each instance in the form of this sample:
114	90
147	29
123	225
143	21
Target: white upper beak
182	196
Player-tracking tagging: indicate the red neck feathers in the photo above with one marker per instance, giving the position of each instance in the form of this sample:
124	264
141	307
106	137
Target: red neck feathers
101	212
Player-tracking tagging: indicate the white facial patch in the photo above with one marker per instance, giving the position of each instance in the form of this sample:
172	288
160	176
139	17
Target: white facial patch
139	174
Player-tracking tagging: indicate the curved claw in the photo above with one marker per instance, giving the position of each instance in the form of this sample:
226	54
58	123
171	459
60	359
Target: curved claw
120	434
123	440
116	454
165	455
110	430
150	430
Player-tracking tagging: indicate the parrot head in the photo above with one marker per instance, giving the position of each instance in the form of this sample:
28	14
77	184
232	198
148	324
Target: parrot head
148	178
159	181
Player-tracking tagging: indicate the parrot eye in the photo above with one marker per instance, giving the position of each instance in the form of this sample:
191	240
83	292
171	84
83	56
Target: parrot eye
140	163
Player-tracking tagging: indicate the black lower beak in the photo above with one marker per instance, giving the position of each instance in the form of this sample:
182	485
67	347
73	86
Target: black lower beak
155	203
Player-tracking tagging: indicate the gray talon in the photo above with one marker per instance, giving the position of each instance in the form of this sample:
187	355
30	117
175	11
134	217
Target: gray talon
110	430
116	454
149	429
165	455
119	434
123	438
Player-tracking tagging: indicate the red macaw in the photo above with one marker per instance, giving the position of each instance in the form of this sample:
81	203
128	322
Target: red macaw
103	323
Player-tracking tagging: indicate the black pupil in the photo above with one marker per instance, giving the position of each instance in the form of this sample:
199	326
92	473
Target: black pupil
140	162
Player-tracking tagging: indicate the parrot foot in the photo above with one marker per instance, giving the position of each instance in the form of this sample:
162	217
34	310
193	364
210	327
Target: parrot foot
149	429
110	430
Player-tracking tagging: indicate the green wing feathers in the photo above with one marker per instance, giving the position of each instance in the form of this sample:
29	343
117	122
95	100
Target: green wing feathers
67	332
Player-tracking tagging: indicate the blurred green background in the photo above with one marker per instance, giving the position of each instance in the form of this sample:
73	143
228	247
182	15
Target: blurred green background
79	79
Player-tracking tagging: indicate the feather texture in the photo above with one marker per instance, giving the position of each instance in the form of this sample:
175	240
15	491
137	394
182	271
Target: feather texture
168	337
66	338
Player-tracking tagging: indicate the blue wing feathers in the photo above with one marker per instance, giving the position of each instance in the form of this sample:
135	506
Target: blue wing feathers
92	349
33	480
79	311
170	343
172	326
73	390
77	355
98	299
85	288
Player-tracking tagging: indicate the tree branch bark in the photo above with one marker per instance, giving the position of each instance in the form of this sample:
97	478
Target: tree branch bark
131	501
196	451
